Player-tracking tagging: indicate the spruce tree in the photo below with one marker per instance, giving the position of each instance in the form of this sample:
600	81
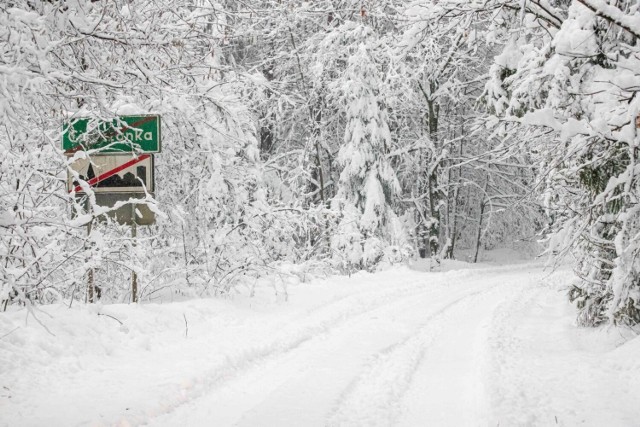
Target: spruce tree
368	183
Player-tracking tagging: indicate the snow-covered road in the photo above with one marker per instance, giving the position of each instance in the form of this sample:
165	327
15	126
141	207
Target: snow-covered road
472	347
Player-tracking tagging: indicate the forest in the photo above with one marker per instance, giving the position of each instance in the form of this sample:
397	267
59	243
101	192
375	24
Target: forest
302	138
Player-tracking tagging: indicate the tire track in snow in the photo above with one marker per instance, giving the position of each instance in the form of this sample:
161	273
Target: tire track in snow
374	397
301	387
322	319
449	387
503	346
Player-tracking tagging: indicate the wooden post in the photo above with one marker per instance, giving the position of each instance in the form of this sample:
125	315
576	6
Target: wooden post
134	234
91	287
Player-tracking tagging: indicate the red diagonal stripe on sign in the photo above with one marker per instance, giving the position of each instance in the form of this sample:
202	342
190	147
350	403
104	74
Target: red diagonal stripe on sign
113	132
93	181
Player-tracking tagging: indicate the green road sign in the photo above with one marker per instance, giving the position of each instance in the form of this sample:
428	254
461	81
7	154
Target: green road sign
126	134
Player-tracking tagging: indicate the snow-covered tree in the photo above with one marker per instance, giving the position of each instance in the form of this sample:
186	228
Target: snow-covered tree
368	184
570	77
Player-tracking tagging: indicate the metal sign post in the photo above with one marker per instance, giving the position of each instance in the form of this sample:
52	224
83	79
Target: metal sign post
91	287
118	167
134	274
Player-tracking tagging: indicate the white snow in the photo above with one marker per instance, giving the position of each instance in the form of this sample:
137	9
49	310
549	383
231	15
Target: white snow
542	117
462	345
630	21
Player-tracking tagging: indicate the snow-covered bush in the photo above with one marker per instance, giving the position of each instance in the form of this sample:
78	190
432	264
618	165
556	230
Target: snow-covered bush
574	89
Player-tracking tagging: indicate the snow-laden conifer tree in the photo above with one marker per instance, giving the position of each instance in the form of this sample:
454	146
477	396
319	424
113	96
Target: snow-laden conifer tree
368	183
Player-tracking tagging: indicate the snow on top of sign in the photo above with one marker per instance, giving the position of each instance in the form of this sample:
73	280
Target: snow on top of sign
127	109
124	108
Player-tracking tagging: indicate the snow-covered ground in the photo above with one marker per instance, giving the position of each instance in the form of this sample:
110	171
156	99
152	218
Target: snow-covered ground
486	345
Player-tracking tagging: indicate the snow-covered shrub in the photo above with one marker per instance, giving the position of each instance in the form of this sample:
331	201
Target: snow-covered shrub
574	89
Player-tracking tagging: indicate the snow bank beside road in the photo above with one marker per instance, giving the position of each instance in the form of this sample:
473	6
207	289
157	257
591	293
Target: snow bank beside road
103	363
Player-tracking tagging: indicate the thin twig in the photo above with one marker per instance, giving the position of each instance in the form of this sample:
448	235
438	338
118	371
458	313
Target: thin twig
186	326
10	332
30	311
108	315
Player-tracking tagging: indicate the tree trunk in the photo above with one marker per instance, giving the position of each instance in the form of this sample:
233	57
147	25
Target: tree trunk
434	226
434	193
452	216
482	207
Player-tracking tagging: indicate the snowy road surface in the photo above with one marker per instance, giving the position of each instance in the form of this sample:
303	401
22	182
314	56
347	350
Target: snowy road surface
489	346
